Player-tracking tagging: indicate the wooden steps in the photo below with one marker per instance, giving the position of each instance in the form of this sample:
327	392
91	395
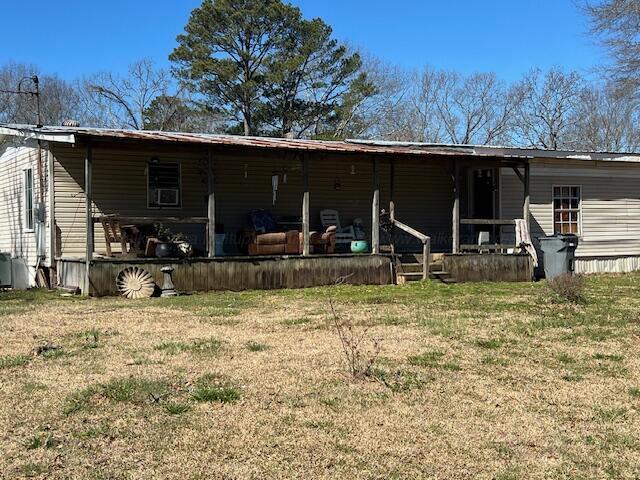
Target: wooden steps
409	268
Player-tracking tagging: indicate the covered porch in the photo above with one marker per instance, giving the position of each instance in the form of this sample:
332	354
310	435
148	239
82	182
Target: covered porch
436	206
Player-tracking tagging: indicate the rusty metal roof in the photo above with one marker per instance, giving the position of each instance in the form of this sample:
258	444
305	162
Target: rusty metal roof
73	134
76	134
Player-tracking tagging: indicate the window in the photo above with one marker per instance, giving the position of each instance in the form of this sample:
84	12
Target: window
28	199
163	184
566	209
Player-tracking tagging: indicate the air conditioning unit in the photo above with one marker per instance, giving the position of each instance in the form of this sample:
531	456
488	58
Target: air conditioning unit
167	197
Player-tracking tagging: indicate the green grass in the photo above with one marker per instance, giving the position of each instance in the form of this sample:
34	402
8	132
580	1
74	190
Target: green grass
138	391
206	346
19	301
399	380
256	347
214	304
11	361
489	344
609	357
212	388
609	414
433	359
41	441
176	408
296	321
634	392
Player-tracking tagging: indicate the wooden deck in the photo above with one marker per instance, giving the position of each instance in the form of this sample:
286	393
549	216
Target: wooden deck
234	273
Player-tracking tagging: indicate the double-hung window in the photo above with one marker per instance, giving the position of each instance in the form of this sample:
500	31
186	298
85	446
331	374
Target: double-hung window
566	209
28	210
163	184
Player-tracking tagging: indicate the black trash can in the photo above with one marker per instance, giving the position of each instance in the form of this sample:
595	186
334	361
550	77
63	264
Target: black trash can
558	252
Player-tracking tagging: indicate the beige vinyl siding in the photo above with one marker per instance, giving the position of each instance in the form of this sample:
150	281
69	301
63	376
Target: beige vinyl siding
119	187
610	206
17	155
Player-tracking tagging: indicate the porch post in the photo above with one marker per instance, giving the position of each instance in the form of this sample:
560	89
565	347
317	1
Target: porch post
375	211
305	207
88	164
456	208
392	203
211	207
527	198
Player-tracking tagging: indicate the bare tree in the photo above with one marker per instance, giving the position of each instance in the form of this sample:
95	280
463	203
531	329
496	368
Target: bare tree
121	101
546	107
617	24
606	120
443	106
59	100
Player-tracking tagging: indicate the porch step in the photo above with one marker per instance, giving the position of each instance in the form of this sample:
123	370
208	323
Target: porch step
441	276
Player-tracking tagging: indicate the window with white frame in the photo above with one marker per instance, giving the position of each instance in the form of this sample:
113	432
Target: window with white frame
566	209
163	184
28	210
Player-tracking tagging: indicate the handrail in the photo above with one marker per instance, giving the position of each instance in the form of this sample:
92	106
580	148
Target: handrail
411	231
426	244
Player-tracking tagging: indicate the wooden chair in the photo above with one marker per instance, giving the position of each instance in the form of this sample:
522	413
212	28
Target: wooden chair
113	234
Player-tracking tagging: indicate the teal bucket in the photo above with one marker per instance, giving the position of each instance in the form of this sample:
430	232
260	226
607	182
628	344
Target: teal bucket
359	246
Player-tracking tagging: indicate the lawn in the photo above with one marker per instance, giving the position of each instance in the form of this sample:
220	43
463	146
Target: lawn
471	381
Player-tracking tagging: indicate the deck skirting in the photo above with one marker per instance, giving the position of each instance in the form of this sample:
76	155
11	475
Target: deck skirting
235	274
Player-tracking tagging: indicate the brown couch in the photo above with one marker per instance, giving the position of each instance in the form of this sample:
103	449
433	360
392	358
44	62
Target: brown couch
290	242
277	243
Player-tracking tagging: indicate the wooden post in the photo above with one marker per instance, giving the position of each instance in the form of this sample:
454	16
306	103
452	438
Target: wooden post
375	211
392	203
392	187
88	165
426	258
305	207
456	208
527	197
211	207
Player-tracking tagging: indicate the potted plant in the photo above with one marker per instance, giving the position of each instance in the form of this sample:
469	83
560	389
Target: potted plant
164	243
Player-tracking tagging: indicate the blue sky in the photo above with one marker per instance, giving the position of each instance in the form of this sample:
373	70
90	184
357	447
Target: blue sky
74	37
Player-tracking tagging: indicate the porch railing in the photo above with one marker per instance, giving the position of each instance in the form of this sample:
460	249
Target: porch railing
426	244
491	223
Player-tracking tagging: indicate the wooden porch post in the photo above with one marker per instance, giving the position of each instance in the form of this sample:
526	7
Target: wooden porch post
456	208
305	207
375	211
527	197
211	207
392	203
88	165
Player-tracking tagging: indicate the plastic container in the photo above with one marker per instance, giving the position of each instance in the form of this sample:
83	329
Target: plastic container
558	254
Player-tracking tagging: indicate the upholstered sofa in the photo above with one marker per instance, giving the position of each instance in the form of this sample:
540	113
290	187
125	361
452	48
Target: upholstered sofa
290	242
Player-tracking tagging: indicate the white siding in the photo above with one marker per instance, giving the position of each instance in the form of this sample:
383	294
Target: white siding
610	208
16	156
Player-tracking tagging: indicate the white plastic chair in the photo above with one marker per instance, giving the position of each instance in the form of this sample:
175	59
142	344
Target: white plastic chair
330	218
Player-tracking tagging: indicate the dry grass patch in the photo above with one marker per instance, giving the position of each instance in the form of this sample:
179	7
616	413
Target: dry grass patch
471	381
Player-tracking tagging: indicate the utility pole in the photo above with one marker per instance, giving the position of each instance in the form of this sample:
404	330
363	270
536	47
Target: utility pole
35	93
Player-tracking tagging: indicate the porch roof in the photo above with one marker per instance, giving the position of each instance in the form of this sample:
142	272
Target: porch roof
79	134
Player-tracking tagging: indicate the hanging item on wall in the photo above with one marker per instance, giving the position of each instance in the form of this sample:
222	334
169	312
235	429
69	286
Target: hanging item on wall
336	184
274	187
246	171
353	169
284	176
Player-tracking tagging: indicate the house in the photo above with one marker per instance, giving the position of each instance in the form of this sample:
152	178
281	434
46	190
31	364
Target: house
72	199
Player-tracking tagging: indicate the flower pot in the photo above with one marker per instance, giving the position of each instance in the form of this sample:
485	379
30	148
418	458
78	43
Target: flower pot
163	249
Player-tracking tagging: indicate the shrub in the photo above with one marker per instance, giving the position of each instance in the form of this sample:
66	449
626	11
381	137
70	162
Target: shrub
360	350
567	288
